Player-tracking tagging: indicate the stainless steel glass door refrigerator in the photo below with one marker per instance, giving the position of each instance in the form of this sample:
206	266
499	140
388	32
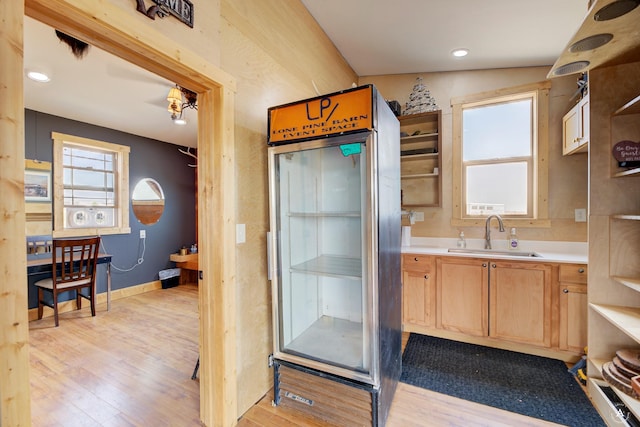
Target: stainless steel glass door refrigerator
334	178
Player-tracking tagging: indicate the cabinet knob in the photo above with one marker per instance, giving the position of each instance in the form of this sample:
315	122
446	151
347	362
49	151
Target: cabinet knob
581	270
493	265
415	259
565	290
484	264
426	276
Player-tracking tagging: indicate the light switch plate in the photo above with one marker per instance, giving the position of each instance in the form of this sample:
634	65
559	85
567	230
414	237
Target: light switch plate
581	215
241	236
418	216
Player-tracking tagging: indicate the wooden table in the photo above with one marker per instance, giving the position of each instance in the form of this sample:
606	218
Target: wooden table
41	264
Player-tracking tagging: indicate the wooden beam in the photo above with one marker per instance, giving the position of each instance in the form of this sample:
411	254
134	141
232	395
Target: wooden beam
15	409
217	290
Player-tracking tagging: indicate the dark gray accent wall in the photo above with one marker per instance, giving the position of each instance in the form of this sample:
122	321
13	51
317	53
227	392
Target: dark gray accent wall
149	158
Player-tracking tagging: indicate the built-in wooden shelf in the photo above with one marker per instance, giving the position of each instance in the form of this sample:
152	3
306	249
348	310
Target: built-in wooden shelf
420	137
629	217
630	282
418	156
421	159
627	319
628	172
419	175
631	107
601	399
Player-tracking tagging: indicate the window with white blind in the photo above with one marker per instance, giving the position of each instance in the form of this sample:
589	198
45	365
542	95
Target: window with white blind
91	186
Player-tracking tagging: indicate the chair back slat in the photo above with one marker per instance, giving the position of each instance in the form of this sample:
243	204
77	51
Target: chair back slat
74	259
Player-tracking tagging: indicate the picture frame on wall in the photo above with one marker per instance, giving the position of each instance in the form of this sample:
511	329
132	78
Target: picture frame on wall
37	185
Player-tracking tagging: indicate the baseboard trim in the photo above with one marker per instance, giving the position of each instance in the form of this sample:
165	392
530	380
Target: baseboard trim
101	298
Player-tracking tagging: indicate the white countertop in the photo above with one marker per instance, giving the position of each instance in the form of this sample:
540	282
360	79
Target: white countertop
561	252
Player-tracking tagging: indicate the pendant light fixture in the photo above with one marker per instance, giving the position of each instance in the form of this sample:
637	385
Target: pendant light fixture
176	104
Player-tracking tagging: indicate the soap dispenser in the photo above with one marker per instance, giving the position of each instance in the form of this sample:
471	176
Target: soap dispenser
461	242
513	240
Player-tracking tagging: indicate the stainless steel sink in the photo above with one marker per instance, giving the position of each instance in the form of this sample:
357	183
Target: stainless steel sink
490	252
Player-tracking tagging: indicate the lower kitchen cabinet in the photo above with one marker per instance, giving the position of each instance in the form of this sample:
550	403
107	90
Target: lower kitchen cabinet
419	291
520	302
462	295
533	305
573	307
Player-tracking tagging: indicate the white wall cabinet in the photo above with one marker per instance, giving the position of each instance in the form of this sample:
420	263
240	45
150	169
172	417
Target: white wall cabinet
575	128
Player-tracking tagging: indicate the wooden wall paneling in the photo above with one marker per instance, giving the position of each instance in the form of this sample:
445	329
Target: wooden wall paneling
118	32
15	407
567	181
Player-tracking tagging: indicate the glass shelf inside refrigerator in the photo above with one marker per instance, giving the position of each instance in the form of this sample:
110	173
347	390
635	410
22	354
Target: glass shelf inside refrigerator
331	265
331	339
345	214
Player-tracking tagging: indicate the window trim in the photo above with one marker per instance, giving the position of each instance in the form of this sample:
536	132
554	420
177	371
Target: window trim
121	181
540	214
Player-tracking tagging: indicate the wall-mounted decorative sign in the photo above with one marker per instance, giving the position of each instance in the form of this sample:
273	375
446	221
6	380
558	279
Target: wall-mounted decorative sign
627	153
181	9
337	113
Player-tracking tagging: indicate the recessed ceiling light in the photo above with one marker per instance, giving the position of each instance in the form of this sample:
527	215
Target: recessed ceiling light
459	53
37	76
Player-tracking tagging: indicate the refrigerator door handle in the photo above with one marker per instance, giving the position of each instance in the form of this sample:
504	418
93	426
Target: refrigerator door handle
269	275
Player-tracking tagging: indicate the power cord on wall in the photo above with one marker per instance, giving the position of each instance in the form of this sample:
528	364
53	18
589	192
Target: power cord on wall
139	262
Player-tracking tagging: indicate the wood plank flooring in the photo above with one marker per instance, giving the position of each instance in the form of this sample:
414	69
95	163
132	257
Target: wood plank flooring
132	366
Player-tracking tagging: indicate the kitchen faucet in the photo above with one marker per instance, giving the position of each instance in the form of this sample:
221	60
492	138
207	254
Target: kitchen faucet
487	230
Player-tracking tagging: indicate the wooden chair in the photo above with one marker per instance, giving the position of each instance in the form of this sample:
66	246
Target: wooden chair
74	268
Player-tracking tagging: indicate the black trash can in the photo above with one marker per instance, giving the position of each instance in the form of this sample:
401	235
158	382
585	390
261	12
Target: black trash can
169	278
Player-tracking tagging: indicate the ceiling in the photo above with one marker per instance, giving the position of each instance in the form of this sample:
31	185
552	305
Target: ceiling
374	36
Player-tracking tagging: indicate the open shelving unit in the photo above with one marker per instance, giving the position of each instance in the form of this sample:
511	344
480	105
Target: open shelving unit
614	321
420	159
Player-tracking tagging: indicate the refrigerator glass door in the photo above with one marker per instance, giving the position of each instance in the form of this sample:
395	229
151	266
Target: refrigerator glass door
323	313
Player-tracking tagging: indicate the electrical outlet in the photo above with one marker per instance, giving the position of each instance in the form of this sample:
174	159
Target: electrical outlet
418	216
143	234
581	215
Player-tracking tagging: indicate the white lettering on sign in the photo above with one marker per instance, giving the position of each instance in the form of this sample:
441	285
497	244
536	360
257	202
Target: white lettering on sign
627	151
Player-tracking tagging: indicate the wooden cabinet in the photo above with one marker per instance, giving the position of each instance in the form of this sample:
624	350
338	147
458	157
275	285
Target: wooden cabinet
572	307
535	306
418	292
520	302
575	128
510	301
463	295
420	159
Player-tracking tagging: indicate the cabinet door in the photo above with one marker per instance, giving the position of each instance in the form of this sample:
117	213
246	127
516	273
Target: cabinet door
570	131
462	295
418	296
575	128
573	317
520	302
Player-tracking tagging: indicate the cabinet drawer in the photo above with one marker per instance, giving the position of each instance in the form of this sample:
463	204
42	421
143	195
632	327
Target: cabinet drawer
422	263
573	273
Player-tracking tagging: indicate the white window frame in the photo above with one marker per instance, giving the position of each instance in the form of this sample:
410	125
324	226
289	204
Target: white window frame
538	215
121	168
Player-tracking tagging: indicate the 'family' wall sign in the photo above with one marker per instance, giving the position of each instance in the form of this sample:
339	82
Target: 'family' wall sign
181	9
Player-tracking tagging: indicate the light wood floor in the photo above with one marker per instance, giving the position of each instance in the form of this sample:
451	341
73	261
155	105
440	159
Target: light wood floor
132	366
